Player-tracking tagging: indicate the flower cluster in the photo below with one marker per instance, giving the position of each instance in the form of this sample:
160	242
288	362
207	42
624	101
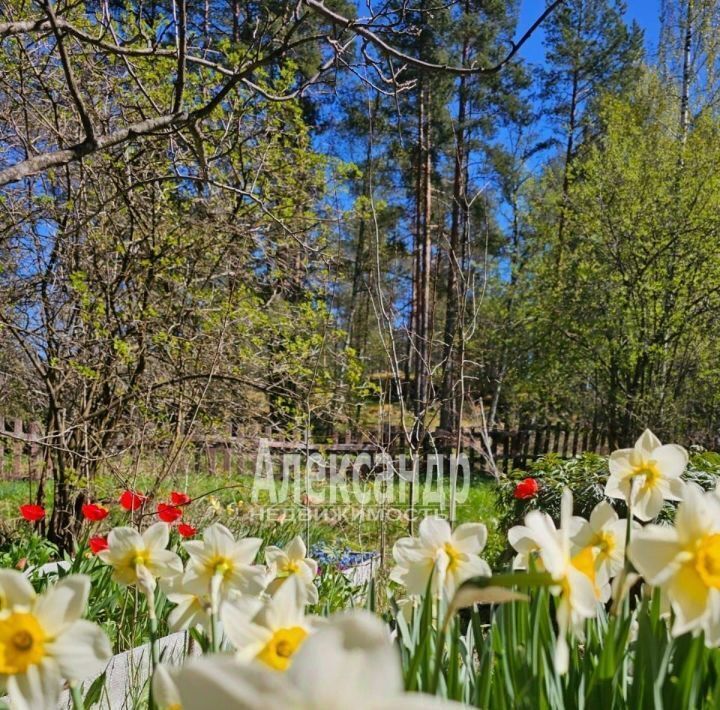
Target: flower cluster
264	647
583	562
279	653
130	501
439	557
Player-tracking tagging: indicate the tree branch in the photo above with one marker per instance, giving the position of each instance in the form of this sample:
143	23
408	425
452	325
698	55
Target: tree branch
181	52
360	28
70	77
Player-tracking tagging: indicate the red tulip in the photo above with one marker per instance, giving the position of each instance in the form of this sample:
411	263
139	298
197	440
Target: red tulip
179	498
98	544
186	530
168	513
32	513
131	500
94	512
527	488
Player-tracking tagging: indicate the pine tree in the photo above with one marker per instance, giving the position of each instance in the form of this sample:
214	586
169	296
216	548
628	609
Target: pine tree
590	50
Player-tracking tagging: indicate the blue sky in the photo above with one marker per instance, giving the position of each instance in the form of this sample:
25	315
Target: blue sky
646	12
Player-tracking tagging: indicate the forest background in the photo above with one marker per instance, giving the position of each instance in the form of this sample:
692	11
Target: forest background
324	217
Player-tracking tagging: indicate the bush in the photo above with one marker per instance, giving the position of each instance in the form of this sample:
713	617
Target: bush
585	476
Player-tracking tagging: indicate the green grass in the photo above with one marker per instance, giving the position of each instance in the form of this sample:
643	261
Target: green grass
218	498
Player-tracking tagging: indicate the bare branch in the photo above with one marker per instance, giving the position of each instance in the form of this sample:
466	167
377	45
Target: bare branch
360	28
70	77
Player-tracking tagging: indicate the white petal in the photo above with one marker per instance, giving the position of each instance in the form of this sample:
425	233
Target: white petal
434	531
246	579
165	692
246	550
63	604
218	539
654	551
582	536
671	459
237	620
566	509
36	689
474	566
407	549
121	542
521	539
689	598
296	549
647	443
165	563
81	651
15	589
188	614
620	464
618	487
603	514
351	655
696	515
157	536
217	682
200	554
647	502
546	535
274	556
582	592
470	538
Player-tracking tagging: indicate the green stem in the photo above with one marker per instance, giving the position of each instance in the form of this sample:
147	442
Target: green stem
629	522
215	584
214	633
77	700
154	655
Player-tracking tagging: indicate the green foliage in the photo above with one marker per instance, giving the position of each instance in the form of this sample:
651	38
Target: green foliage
30	550
502	657
586	476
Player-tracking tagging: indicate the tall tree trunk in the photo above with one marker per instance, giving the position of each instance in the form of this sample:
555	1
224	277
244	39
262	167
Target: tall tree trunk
356	335
569	150
686	78
423	265
449	408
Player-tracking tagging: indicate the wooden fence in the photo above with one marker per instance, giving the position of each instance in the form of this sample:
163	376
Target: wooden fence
22	450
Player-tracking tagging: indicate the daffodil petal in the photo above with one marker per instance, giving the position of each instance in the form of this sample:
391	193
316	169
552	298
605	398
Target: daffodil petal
81	651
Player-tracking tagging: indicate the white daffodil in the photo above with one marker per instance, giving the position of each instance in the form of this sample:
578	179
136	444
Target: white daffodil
577	589
43	639
604	534
450	557
225	565
141	559
523	541
284	563
349	663
684	561
274	633
192	600
646	475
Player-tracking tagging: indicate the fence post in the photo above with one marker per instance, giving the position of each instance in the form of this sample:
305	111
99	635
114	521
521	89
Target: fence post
227	461
538	442
566	441
507	451
557	438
